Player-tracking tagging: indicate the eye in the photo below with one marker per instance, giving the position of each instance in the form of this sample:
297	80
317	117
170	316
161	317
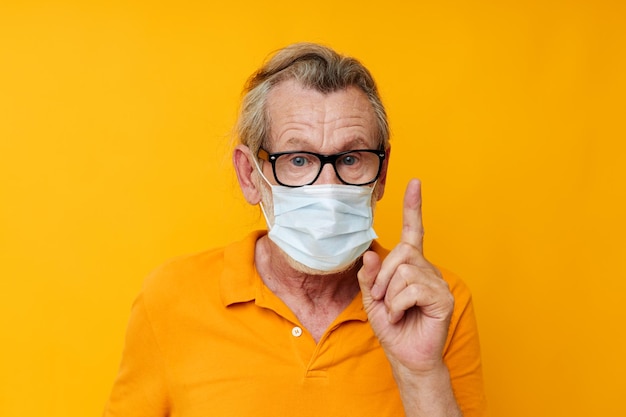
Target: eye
349	159
298	161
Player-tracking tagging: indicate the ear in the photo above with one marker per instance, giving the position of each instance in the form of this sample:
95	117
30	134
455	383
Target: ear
245	169
382	178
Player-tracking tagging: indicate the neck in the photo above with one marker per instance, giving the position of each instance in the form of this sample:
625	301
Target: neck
281	273
315	298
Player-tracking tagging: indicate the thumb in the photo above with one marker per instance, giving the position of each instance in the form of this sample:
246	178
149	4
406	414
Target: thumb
367	277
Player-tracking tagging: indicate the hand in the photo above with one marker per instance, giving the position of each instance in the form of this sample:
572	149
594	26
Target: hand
408	304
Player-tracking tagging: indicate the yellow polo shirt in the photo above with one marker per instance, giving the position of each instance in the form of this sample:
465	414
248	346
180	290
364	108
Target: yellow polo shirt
207	338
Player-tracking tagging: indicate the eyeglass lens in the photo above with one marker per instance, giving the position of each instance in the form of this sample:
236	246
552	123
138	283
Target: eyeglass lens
357	167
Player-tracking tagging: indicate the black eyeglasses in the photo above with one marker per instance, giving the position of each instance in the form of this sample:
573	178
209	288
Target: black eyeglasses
298	168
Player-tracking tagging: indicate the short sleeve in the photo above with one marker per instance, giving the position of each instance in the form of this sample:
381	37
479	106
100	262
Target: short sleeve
140	388
462	353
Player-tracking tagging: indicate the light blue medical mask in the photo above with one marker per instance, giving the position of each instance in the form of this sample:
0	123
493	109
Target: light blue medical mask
325	227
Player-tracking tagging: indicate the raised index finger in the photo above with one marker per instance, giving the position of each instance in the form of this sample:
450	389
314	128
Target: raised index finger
412	227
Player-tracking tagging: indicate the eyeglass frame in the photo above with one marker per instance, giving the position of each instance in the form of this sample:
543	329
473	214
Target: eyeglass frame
324	159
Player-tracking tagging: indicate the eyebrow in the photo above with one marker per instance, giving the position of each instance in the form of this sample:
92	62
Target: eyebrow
303	144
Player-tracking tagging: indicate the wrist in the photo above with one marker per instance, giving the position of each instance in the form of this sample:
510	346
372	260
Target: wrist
434	371
426	392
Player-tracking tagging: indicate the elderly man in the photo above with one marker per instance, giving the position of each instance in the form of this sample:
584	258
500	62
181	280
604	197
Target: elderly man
313	317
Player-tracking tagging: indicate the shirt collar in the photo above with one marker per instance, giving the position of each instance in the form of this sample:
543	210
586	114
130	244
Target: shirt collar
240	281
239	276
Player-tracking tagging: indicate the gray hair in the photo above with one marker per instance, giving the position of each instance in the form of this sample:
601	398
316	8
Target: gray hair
312	66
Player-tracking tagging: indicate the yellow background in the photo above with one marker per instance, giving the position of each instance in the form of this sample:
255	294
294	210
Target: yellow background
115	121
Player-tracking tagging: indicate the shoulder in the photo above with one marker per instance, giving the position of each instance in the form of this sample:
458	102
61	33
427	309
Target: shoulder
189	276
172	271
179	277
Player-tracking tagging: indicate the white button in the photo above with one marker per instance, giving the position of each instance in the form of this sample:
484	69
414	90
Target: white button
296	331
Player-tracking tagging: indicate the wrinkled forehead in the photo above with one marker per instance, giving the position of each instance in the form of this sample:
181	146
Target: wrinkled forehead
301	114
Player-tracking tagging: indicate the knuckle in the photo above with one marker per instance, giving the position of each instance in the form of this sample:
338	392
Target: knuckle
414	292
405	271
405	247
451	299
448	302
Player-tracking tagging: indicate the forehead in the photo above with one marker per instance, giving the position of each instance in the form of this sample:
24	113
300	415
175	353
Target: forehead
300	115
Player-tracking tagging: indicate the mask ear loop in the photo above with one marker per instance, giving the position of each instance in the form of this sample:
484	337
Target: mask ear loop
258	168
267	220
